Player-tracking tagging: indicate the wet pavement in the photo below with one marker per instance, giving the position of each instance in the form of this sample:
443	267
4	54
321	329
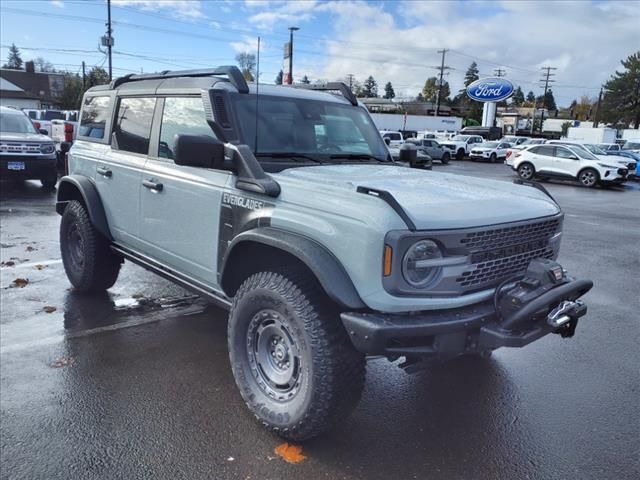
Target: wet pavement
136	383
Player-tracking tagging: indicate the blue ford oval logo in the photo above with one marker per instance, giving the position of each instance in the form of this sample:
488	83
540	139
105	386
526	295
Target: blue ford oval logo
490	89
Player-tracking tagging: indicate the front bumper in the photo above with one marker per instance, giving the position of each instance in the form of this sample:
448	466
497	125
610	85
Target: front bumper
449	333
27	166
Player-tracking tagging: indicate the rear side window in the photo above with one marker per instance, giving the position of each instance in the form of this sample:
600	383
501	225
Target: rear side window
543	150
95	112
181	115
133	124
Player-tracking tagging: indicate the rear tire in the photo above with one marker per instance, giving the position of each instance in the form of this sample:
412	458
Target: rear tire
526	171
445	158
589	177
90	264
291	358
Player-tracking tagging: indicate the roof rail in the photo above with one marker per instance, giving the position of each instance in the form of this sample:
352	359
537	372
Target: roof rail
231	71
332	86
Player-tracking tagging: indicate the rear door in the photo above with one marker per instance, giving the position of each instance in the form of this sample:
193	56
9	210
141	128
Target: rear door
180	205
542	158
119	175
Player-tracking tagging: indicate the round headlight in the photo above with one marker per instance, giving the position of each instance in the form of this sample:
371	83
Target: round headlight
47	148
415	266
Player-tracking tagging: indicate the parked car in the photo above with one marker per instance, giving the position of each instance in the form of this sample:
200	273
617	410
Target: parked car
565	162
422	160
322	248
25	153
460	146
433	149
633	145
488	133
395	138
514	140
611	158
609	147
632	156
490	151
533	141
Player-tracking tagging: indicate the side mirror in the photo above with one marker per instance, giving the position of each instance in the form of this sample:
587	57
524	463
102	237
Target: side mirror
409	154
43	131
198	151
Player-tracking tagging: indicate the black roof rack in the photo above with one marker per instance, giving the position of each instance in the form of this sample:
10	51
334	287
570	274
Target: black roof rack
231	71
332	86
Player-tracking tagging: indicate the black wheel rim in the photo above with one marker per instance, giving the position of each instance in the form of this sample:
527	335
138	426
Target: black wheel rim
273	355
75	247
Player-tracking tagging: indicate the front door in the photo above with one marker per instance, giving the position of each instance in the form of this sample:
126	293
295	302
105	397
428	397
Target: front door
180	205
566	162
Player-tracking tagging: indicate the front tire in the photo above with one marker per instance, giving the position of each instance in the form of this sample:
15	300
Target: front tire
90	264
291	358
493	158
526	171
460	154
445	158
589	177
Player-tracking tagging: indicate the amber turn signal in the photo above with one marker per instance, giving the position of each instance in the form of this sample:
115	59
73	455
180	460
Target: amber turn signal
388	255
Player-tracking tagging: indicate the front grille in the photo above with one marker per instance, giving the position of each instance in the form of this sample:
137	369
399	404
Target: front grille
502	237
14	147
496	270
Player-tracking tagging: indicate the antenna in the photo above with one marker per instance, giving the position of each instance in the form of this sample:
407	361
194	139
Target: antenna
255	144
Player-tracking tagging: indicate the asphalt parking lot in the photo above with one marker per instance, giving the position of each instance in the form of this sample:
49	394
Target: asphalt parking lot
136	383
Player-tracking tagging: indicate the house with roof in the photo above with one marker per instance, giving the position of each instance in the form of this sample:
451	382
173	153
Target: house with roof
30	89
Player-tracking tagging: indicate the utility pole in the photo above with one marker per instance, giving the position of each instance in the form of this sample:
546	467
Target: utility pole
442	68
350	76
84	77
597	119
109	37
498	72
547	80
291	30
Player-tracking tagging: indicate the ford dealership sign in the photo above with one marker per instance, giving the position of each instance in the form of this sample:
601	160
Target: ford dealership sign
490	89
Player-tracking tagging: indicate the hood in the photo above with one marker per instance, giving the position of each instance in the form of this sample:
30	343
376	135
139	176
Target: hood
432	200
620	160
451	142
24	137
483	149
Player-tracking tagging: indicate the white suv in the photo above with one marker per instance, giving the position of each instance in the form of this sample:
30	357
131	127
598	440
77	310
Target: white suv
565	162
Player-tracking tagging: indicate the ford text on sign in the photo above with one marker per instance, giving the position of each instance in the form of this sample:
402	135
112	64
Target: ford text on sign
490	89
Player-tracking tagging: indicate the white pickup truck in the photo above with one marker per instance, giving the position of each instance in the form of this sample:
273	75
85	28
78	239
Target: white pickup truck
61	126
460	146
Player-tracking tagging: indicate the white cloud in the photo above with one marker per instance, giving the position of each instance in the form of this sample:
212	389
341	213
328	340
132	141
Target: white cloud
283	12
249	44
181	8
57	3
519	37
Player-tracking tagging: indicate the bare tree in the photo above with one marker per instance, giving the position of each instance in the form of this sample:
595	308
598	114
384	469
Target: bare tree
247	63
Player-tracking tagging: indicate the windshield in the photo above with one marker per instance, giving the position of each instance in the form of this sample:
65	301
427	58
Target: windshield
460	138
594	149
315	129
52	115
631	146
582	152
16	123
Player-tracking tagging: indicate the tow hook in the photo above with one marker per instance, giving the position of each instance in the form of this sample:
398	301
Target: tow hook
564	318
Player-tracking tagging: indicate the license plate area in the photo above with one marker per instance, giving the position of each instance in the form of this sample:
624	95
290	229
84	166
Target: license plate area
15	166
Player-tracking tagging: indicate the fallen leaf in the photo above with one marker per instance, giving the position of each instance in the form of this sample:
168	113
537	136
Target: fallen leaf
290	453
40	267
30	248
63	362
8	263
49	309
20	282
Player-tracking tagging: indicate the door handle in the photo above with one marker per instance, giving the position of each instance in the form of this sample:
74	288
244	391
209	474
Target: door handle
153	186
104	171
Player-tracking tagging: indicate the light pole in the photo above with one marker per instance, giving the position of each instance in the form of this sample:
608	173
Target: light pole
291	30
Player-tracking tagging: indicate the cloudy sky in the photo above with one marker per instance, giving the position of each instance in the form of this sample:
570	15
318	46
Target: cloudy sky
395	41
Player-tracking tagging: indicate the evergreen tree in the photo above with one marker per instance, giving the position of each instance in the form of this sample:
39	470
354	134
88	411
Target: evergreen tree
370	88
388	91
14	60
472	74
71	93
531	98
547	101
517	98
97	76
279	77
622	94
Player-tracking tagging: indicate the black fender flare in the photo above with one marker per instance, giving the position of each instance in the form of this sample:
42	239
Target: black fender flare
70	187
320	261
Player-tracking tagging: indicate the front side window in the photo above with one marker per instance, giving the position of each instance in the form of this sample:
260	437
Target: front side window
133	124
564	153
181	115
95	111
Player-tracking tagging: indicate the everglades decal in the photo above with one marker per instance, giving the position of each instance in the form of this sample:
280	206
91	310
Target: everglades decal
239	213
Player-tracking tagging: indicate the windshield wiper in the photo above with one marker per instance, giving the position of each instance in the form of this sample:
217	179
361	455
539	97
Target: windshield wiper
358	156
291	155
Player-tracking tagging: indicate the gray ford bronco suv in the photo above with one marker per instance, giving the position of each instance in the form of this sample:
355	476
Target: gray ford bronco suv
283	205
